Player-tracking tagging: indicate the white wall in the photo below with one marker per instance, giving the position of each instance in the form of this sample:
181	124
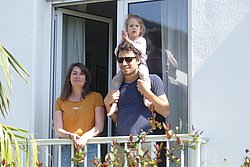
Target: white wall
26	33
220	84
16	36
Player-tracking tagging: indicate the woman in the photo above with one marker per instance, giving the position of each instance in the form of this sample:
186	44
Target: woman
79	112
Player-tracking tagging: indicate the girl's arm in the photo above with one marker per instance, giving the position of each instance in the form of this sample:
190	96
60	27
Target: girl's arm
140	44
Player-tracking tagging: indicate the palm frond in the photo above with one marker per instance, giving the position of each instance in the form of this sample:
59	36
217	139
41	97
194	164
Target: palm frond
13	141
7	59
4	101
15	62
14	65
5	66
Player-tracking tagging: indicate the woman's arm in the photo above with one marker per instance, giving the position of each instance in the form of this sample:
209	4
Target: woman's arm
97	129
60	132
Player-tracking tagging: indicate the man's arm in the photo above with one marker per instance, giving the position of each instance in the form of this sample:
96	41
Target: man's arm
110	98
161	104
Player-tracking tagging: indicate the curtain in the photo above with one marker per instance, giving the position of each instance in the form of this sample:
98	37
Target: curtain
73	41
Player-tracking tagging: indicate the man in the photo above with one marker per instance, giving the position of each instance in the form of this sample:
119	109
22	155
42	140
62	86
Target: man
132	115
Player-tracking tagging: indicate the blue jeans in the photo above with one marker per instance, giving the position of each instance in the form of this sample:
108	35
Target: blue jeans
66	155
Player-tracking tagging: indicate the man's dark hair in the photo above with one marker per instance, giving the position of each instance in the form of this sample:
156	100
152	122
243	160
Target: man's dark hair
126	46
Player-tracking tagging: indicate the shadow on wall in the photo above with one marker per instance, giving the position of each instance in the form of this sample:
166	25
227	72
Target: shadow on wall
221	96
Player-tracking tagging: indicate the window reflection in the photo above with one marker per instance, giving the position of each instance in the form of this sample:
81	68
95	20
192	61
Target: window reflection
166	35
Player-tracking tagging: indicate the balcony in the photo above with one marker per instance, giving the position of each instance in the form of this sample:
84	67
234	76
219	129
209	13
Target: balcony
194	158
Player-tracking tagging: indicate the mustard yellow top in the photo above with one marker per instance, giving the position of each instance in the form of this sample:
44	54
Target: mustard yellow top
79	115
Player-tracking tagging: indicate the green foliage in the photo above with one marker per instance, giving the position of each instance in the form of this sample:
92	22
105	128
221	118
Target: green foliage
13	140
135	156
7	59
246	162
79	157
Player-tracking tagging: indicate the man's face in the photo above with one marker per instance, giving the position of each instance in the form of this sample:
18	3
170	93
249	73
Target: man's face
128	62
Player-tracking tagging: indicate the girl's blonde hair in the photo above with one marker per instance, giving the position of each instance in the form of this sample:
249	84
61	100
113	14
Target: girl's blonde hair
139	19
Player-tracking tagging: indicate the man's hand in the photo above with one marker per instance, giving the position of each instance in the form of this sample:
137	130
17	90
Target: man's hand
143	87
160	103
111	97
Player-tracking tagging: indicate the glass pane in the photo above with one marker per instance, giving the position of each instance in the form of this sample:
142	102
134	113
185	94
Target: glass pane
167	49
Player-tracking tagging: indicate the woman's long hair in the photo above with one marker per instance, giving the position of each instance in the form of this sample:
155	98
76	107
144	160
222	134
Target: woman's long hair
67	86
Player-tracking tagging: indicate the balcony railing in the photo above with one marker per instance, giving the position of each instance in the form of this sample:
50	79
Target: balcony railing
197	157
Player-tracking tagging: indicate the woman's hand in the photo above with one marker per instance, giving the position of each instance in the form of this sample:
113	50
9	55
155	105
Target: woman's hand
81	142
74	137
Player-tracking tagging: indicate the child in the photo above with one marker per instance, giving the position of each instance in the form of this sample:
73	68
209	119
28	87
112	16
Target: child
134	31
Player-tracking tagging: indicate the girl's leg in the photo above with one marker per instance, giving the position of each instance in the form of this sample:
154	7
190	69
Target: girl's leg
144	75
116	83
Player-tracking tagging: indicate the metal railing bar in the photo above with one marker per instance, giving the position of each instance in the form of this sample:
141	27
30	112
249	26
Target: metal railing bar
119	139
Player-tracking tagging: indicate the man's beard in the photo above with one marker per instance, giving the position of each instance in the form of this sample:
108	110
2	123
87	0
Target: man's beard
130	73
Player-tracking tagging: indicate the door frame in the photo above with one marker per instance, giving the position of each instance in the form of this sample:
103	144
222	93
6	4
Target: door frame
57	55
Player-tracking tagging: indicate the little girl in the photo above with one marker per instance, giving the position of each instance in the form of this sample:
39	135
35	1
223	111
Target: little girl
134	31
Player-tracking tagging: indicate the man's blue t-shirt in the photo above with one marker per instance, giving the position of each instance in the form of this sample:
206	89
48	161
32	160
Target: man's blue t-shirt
132	114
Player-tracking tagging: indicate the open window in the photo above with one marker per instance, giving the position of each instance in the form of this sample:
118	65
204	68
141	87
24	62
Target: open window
167	48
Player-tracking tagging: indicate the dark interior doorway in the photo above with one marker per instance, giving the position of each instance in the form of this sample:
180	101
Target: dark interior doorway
97	43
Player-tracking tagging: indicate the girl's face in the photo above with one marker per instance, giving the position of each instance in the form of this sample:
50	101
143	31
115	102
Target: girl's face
134	29
77	77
